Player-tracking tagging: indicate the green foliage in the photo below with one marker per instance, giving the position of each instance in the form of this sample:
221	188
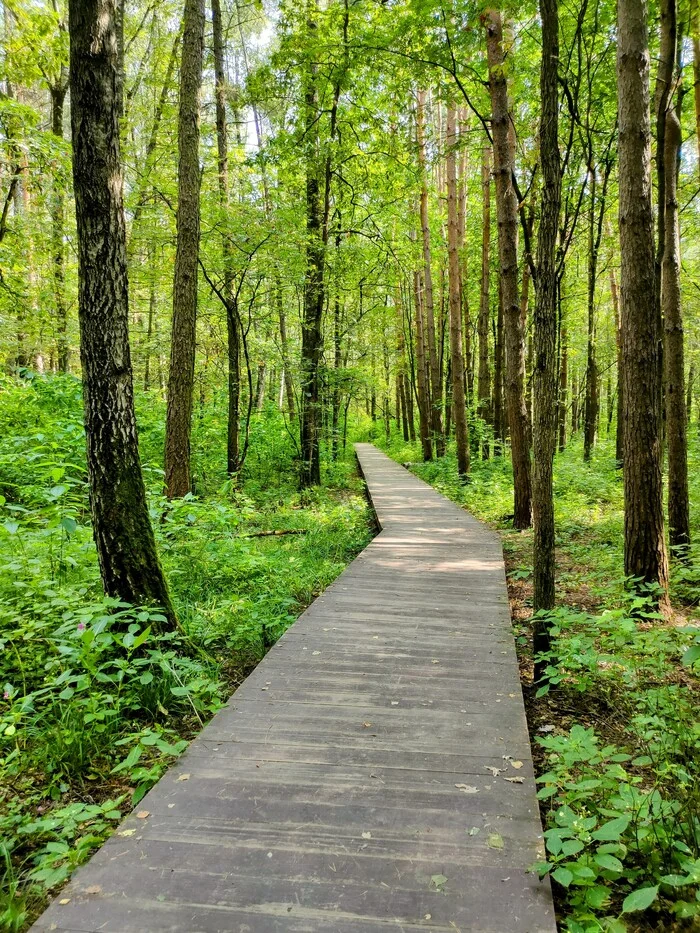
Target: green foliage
95	700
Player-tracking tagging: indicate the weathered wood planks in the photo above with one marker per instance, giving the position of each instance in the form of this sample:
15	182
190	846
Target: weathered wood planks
365	760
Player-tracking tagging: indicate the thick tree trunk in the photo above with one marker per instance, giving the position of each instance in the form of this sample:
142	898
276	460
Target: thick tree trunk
507	213
676	426
459	410
545	336
645	551
429	316
178	480
121	526
484	381
284	344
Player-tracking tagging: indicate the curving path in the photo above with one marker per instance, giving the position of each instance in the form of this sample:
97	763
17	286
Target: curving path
372	774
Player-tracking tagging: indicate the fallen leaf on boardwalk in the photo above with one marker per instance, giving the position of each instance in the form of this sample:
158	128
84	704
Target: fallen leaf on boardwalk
127	832
93	889
517	764
495	841
435	661
315	652
495	771
437	882
474	831
366	724
394	702
142	814
515	780
366	835
184	777
64	900
467	788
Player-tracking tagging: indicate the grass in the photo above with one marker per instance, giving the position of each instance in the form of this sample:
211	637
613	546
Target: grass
94	705
615	731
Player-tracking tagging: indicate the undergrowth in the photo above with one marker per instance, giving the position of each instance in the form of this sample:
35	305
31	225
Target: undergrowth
94	703
615	724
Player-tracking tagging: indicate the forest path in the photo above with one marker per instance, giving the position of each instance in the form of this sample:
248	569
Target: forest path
365	777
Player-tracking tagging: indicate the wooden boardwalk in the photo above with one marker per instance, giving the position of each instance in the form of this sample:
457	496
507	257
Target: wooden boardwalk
372	774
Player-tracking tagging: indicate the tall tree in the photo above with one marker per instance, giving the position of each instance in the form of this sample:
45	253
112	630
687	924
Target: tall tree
674	357
428	296
545	337
459	409
121	526
178	478
645	549
484	378
507	214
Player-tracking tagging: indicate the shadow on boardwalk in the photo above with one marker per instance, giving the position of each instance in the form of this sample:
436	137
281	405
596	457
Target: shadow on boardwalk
373	773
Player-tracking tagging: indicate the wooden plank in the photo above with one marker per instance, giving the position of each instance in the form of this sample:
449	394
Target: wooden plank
381	744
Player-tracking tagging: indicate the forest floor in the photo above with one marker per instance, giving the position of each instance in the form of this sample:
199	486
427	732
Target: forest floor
94	705
616	728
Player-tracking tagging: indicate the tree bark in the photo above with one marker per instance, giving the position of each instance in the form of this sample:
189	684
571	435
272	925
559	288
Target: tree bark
507	213
429	316
459	409
421	374
58	210
676	417
590	418
121	526
178	479
695	36
545	336
645	550
484	380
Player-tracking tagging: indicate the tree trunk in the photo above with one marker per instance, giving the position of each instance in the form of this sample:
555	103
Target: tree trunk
498	367
429	317
695	36
484	382
459	409
178	480
545	336
58	95
676	418
645	551
507	213
121	526
591	401
312	324
563	385
232	321
421	380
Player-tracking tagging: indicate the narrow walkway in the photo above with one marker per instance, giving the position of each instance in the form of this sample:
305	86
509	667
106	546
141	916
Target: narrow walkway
366	777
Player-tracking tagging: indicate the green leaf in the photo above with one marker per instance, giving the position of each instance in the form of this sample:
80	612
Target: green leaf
495	841
563	876
612	830
692	655
640	899
69	525
609	862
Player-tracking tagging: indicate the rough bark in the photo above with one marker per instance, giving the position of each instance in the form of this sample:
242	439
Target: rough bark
695	36
591	404
545	336
459	409
121	526
498	367
645	551
507	214
563	385
178	480
676	417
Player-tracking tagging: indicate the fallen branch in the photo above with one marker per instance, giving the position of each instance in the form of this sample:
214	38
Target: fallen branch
275	534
